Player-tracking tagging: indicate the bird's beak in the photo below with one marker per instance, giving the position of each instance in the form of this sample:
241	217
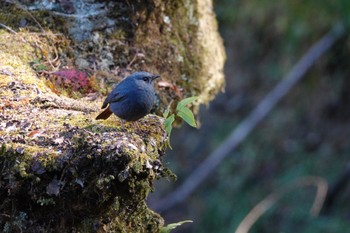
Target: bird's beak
155	77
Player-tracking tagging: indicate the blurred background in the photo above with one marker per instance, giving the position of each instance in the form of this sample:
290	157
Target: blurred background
307	133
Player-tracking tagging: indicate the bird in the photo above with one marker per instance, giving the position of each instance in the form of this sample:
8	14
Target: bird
132	99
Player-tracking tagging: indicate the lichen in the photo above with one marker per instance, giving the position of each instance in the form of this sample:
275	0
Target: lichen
176	39
64	171
85	182
64	176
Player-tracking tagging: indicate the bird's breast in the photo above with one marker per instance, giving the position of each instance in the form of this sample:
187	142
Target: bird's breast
136	105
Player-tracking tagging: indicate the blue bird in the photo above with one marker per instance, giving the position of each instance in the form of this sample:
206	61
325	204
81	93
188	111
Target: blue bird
132	99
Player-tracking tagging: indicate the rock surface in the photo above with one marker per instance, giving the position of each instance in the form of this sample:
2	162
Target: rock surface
61	170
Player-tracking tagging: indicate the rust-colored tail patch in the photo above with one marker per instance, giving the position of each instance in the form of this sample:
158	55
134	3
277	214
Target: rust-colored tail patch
105	114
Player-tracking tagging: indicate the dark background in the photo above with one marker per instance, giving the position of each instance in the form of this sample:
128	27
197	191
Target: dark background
306	134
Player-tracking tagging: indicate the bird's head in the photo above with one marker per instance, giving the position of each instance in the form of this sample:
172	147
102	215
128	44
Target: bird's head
144	77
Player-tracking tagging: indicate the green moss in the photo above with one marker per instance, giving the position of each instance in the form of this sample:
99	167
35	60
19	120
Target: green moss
163	37
171	28
86	174
21	49
69	169
63	170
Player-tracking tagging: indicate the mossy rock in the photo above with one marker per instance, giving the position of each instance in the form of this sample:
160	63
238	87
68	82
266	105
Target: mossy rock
176	39
63	171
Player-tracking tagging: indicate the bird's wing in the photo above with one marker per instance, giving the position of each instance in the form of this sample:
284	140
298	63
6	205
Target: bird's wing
114	96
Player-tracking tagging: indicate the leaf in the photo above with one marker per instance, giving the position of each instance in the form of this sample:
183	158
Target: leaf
166	112
183	112
187	115
185	102
172	226
168	123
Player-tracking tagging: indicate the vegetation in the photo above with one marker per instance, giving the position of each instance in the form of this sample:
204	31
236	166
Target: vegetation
62	170
305	135
181	111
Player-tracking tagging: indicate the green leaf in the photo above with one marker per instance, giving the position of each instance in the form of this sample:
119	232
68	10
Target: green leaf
168	123
172	226
166	112
185	102
183	112
187	115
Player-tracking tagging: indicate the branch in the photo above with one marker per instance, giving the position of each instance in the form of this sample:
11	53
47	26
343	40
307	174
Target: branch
60	102
336	189
8	28
267	203
249	123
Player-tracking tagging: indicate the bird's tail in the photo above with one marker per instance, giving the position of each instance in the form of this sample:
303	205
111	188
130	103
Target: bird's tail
105	114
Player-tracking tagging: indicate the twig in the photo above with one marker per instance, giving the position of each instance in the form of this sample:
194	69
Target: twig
134	59
14	32
8	28
79	16
336	189
43	30
271	199
60	102
249	123
5	215
20	6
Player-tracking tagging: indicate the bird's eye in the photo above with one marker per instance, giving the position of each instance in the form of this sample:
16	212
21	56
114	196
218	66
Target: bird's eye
145	79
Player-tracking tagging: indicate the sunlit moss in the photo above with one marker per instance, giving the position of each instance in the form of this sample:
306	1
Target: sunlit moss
53	158
64	170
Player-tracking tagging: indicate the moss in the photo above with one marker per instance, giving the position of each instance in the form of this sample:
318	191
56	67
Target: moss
165	37
171	27
89	177
64	171
170	37
15	66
